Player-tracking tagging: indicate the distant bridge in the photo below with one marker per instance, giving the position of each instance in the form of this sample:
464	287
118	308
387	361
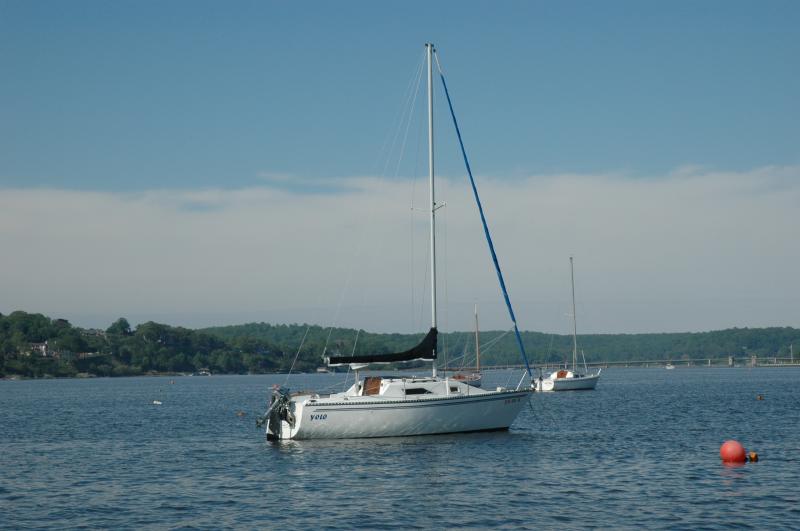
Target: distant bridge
728	361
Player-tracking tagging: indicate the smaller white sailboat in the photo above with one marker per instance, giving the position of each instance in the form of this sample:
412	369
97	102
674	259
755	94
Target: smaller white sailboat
565	379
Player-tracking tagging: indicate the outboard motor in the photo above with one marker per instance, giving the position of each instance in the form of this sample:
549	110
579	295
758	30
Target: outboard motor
277	412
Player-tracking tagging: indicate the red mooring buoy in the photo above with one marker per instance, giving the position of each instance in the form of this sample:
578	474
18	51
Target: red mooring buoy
732	452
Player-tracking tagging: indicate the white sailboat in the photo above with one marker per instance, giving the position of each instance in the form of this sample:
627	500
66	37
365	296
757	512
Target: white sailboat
565	379
378	406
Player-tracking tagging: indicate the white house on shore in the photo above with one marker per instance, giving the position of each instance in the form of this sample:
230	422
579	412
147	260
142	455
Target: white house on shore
39	349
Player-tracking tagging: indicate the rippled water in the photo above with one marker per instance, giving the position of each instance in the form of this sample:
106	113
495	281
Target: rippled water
640	451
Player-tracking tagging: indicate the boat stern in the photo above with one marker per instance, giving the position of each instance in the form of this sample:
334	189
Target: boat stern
279	419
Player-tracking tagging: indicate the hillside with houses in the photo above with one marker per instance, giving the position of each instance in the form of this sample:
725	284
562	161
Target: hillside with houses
34	346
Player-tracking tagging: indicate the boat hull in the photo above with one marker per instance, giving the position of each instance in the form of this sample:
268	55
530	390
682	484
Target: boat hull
583	383
350	419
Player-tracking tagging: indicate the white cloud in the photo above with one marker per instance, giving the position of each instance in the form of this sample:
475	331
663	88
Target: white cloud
696	249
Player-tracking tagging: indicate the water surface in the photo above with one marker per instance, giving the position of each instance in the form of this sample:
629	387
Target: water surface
639	451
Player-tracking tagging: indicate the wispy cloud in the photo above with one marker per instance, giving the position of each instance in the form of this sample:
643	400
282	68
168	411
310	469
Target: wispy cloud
694	249
301	185
273	177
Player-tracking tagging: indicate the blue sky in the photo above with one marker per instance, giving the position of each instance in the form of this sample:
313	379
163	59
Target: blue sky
204	163
141	95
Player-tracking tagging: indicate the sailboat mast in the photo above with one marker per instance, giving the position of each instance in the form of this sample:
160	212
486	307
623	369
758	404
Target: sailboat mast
574	320
429	50
477	343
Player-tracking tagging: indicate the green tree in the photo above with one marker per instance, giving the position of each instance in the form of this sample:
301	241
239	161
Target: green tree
120	327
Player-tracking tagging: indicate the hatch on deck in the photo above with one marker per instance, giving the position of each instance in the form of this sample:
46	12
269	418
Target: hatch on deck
372	385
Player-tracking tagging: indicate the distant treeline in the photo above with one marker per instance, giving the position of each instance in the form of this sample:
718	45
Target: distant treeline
33	345
500	347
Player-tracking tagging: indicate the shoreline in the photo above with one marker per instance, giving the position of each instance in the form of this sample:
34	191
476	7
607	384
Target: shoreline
87	376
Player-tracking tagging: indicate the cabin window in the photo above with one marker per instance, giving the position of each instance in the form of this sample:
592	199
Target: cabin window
454	389
417	391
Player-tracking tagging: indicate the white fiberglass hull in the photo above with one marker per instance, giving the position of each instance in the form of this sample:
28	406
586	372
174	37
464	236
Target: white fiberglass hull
581	383
372	417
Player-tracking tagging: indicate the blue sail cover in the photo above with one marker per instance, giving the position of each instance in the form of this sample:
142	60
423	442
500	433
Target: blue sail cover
486	228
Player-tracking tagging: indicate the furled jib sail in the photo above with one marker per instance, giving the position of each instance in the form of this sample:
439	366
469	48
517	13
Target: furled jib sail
426	351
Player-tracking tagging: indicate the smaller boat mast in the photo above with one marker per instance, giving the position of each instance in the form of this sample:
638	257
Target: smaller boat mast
477	343
574	321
